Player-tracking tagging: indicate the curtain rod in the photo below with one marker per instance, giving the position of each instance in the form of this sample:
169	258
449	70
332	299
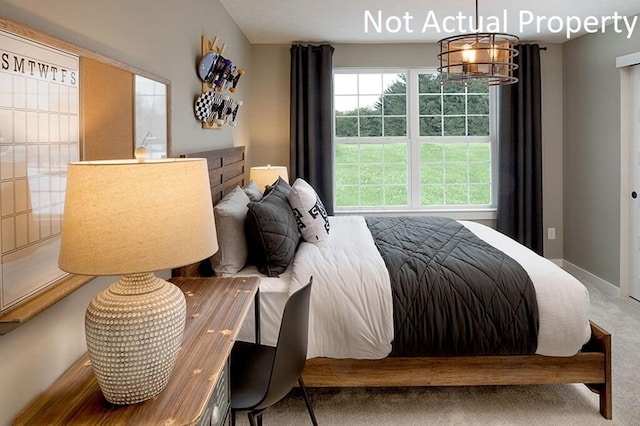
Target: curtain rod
542	47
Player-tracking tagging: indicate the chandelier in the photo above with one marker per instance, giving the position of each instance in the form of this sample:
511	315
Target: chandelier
478	56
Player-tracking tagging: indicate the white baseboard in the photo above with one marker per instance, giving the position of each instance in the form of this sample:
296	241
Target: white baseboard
587	277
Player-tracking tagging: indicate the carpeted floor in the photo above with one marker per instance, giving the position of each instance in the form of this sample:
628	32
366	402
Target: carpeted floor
488	405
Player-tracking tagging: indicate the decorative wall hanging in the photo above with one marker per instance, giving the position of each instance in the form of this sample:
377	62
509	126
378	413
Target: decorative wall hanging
218	74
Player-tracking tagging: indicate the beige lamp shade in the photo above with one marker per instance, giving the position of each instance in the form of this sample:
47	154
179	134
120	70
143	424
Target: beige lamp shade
267	175
125	216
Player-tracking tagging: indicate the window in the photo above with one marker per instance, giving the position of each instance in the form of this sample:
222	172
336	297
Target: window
403	142
371	139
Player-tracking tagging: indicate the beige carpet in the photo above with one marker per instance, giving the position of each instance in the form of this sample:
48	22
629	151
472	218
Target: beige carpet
488	405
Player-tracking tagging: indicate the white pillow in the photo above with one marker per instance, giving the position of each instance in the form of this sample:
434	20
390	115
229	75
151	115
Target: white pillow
309	211
230	214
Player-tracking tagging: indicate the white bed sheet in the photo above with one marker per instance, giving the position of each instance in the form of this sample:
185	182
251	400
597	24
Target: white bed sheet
352	318
273	296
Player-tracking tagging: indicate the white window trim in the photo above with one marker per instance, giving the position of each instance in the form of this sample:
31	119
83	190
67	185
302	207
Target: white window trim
413	140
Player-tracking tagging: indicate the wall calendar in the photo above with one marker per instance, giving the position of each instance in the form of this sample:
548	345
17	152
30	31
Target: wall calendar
39	118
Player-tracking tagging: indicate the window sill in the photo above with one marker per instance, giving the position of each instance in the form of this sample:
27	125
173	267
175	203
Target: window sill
470	214
23	312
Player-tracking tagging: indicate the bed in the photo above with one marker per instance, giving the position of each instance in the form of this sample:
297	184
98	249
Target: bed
590	363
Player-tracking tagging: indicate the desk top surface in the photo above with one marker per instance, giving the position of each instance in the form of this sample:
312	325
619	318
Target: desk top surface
216	308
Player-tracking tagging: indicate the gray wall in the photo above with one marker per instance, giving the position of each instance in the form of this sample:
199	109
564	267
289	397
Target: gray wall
591	165
269	108
160	36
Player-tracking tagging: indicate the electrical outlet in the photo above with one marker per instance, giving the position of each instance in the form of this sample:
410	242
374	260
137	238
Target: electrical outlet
551	233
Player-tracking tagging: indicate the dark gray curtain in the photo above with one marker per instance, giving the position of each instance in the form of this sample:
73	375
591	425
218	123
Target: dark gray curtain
311	118
520	153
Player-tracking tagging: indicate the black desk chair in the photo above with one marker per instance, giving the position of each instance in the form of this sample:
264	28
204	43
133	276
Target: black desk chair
263	375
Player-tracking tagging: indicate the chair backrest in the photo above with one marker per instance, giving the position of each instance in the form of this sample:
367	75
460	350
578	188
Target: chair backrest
291	350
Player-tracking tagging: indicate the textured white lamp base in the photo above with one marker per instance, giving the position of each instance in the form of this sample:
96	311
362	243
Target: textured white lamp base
134	330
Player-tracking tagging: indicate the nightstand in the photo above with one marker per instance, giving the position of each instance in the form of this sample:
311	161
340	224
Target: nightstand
198	390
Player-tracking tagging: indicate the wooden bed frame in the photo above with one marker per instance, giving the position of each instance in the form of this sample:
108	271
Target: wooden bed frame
591	366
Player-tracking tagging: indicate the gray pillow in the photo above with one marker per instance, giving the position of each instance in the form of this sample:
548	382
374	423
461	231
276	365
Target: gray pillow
230	214
252	191
271	231
280	188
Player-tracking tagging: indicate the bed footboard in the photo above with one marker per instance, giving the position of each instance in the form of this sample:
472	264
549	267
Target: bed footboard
592	366
601	342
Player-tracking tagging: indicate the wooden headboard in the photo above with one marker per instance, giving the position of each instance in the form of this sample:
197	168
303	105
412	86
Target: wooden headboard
226	171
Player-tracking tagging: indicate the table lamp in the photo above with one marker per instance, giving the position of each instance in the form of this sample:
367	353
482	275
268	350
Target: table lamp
131	218
267	175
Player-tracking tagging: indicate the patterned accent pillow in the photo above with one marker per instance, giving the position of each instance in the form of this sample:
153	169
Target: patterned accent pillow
309	211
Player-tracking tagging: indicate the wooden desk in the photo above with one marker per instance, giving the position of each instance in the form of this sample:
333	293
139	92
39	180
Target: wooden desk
216	308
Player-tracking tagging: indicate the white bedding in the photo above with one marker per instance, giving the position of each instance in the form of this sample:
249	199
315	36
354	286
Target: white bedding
351	311
351	306
273	296
563	302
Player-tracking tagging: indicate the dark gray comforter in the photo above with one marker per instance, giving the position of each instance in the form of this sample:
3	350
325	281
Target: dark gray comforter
454	294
